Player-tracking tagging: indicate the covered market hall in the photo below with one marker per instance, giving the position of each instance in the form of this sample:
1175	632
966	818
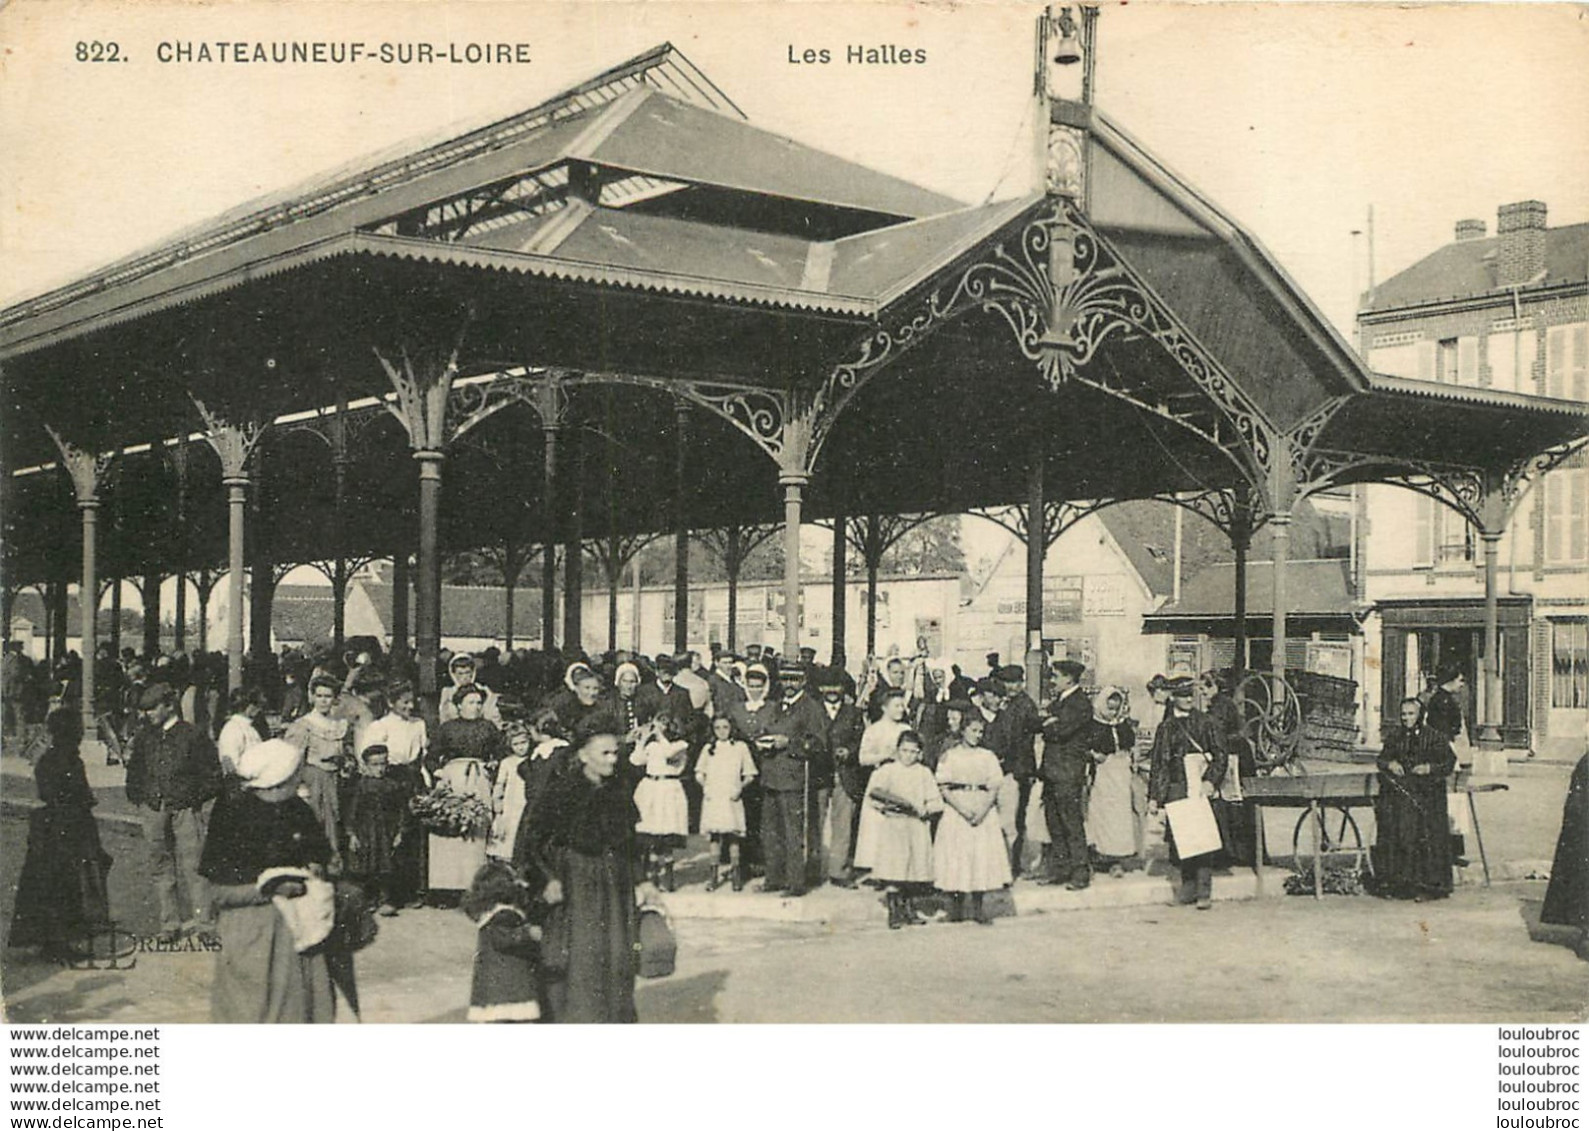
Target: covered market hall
628	310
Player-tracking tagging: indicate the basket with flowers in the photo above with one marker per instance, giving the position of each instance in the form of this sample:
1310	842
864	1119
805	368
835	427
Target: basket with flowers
446	813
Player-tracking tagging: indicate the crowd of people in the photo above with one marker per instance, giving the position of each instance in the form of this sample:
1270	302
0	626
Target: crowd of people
553	814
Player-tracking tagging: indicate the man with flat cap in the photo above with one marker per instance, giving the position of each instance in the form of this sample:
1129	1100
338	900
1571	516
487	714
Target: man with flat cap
173	773
1066	764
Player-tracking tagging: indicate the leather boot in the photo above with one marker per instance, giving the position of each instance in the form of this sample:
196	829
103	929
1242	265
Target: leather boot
896	911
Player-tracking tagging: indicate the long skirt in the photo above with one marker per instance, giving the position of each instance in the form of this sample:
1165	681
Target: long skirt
61	897
969	857
1412	851
261	978
664	810
896	847
1567	896
324	794
589	942
1111	816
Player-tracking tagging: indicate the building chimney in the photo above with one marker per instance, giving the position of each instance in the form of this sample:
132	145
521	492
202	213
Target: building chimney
1470	230
1521	228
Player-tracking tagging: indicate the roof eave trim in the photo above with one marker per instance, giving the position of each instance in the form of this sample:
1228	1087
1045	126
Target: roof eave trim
15	342
633	277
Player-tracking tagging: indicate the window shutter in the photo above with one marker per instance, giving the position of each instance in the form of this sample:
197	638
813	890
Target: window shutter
1468	361
1556	495
1557	345
1578	384
1528	349
1426	361
1541	666
1423	531
1500	353
1577	537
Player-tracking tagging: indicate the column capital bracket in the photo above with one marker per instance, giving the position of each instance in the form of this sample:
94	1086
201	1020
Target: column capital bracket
85	468
233	442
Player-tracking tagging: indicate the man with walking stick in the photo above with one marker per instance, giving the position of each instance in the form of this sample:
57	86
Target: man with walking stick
792	754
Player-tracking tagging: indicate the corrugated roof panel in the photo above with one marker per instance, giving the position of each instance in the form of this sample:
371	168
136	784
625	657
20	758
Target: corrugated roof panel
670	139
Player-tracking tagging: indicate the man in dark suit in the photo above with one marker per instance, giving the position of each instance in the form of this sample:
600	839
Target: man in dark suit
846	724
173	773
664	695
726	691
1020	722
1066	763
794	755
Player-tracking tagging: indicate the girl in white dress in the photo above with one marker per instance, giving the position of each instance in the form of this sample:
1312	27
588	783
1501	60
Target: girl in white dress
664	811
895	840
507	796
725	768
969	856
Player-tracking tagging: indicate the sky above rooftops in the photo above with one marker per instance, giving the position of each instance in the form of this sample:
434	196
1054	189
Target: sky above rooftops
1294	118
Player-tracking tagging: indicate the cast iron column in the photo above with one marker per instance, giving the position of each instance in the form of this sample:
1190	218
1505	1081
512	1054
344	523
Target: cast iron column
681	535
236	499
549	431
1036	550
1489	733
151	614
840	591
1280	529
574	558
793	486
1240	542
427	632
400	588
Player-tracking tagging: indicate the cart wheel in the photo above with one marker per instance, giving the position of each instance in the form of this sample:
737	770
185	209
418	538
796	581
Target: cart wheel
1272	722
1343	841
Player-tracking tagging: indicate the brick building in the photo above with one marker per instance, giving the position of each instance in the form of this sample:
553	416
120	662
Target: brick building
1508	313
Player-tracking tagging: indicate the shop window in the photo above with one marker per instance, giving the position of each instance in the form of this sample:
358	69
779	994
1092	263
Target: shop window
1569	663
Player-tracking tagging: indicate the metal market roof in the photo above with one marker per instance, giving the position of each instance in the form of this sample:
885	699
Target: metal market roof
1466	269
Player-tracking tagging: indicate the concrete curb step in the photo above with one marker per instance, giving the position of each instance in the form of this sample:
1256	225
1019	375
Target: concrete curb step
856	905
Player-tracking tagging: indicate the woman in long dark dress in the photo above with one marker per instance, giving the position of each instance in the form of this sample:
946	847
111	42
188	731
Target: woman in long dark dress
1412	850
61	897
1567	897
581	846
260	973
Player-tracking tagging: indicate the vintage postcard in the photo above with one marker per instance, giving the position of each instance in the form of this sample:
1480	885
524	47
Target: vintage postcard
753	512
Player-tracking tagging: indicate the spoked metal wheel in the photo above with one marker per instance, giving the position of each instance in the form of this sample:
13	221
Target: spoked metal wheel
1341	845
1272	719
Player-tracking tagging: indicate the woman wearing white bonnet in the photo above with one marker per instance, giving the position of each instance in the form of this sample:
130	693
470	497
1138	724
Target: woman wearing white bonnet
265	845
